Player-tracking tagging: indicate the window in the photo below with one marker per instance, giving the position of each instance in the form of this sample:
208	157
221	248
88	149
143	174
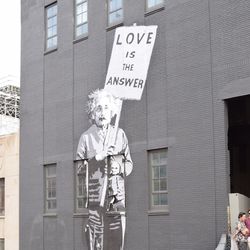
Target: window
158	174
1	244
51	26
80	187
154	3
81	18
2	196
115	11
50	188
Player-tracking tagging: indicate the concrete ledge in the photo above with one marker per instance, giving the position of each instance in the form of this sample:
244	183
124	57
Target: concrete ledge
235	88
223	242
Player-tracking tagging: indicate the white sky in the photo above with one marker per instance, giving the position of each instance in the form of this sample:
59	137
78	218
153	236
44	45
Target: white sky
10	28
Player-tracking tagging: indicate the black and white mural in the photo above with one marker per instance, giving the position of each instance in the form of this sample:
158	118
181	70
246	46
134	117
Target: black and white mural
103	153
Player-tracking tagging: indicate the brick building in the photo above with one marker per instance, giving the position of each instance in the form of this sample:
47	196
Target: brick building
186	136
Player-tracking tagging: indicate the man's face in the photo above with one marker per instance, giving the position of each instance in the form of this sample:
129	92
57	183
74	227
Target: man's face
102	112
243	218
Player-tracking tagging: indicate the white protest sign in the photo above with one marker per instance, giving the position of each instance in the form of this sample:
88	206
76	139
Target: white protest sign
129	62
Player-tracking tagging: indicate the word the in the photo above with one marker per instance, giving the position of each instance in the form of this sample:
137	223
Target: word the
128	67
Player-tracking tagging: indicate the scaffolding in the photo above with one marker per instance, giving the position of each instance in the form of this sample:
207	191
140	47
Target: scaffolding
10	101
9	105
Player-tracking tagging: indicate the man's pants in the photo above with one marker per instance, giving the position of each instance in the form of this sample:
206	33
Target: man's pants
242	245
105	231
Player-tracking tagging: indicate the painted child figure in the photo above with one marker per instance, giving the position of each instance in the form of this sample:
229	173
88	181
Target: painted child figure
94	150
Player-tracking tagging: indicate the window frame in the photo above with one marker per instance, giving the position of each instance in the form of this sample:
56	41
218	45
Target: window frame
85	34
152	206
46	27
79	210
2	186
117	22
46	188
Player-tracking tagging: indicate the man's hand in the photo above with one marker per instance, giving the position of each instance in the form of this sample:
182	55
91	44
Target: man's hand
102	155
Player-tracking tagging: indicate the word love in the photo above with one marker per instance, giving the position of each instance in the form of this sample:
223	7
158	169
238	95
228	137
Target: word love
135	38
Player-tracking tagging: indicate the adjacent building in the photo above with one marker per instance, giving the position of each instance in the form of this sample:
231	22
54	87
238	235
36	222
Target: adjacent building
188	136
9	163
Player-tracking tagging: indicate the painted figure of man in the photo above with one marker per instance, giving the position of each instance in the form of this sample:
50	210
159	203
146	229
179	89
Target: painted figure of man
108	161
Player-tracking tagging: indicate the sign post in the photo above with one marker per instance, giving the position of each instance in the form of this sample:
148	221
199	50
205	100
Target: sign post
126	78
127	71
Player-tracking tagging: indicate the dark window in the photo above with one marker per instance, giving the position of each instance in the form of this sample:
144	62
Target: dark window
50	188
2	196
158	178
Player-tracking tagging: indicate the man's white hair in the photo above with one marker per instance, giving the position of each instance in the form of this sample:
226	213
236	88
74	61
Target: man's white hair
96	95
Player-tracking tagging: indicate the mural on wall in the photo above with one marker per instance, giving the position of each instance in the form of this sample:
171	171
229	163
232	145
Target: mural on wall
103	152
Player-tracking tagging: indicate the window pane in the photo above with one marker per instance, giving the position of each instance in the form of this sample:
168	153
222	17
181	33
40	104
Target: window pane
51	204
163	156
159	1
54	204
53	192
51	171
163	185
163	199
49	194
80	179
115	5
151	3
119	4
80	203
51	11
112	6
83	29
79	9
82	18
84	7
156	173
156	185
115	16
53	182
79	1
49	43
79	191
52	21
163	171
54	41
155	159
155	199
52	31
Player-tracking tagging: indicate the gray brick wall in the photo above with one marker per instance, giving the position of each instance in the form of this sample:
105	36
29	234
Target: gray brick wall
202	47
